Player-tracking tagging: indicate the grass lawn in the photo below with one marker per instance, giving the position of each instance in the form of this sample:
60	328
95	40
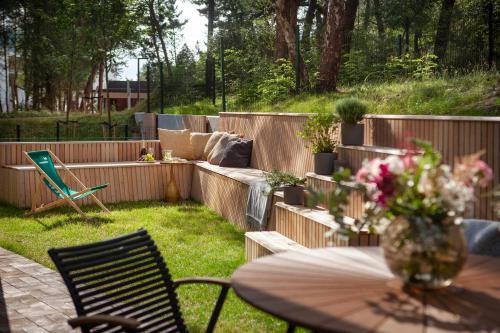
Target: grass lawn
193	240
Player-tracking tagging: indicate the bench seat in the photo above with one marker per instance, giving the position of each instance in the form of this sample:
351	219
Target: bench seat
128	181
225	190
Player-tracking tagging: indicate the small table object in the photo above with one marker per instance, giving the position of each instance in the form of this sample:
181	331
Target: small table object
352	290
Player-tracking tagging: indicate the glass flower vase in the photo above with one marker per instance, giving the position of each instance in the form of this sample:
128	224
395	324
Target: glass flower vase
424	254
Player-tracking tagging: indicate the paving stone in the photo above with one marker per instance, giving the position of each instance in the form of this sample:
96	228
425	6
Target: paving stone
33	298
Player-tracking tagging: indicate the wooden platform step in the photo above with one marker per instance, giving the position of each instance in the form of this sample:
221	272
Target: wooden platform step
308	227
263	243
326	185
353	156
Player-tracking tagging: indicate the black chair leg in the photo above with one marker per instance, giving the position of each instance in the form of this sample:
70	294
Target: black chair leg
217	310
291	328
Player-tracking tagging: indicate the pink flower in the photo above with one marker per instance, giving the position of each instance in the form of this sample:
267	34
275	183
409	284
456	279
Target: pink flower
484	172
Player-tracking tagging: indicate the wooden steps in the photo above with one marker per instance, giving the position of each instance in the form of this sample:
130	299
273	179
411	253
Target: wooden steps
353	156
262	243
326	185
308	227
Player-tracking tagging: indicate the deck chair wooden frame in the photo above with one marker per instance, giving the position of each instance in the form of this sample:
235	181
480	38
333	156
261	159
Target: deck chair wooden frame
67	199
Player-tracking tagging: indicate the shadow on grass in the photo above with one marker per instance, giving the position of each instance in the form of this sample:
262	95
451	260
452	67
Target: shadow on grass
95	221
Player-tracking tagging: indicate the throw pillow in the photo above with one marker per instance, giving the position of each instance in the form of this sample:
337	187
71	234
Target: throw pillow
178	141
216	154
198	143
237	154
211	144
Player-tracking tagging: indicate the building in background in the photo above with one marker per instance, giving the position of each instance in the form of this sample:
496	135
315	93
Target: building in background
124	94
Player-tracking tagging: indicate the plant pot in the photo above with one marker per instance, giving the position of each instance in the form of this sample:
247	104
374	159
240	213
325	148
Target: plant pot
324	163
352	134
293	195
423	254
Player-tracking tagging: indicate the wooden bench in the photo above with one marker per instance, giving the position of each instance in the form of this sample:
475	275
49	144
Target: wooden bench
225	190
263	243
129	181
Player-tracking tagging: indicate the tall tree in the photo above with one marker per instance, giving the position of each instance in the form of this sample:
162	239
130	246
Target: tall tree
443	28
285	42
332	46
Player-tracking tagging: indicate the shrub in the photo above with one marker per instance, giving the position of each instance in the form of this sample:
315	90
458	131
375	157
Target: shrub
277	179
280	83
350	110
319	132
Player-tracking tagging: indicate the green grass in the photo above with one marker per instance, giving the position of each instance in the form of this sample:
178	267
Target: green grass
193	240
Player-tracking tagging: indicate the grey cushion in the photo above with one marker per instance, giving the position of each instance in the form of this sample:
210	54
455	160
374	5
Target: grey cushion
217	153
237	154
483	237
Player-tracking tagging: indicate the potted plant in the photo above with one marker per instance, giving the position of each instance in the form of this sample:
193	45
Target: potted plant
293	189
319	132
416	203
351	111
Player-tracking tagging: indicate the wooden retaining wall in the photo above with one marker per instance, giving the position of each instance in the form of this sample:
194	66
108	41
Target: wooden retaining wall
128	182
276	145
452	136
11	153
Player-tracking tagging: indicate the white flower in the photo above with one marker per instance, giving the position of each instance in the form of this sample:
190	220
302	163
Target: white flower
395	164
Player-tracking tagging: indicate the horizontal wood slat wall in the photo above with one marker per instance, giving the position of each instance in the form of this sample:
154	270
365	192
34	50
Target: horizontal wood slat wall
356	199
195	123
311	234
78	151
452	136
127	183
276	145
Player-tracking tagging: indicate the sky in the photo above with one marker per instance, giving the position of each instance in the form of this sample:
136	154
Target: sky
194	30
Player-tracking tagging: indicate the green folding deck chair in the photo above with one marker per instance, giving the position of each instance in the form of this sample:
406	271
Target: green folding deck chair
44	164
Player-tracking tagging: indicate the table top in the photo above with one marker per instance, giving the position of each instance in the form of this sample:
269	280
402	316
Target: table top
352	290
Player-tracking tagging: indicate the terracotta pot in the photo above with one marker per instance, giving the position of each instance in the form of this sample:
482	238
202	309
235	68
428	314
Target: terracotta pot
293	195
324	163
352	134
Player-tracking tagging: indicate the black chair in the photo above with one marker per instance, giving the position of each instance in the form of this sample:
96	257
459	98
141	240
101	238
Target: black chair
483	237
123	285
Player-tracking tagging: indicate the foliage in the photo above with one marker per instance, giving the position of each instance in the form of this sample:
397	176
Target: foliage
418	68
319	131
350	110
280	83
277	179
193	240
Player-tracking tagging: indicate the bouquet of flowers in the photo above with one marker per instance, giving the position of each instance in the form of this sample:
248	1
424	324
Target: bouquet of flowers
418	184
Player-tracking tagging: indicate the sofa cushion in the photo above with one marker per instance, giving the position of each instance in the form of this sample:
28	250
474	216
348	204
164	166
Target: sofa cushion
237	154
214	138
198	144
179	141
217	152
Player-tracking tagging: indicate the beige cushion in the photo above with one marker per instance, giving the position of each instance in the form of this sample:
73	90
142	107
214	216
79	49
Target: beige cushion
179	141
211	144
198	143
217	153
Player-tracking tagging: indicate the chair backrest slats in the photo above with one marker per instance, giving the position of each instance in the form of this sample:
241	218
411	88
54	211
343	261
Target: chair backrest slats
125	276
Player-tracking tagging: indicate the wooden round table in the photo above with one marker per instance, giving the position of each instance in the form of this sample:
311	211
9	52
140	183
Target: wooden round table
352	290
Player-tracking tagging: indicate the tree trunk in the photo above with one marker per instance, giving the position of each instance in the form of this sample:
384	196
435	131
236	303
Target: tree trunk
99	88
443	29
210	63
416	43
157	27
6	59
308	22
378	18
88	89
108	102
406	27
367	15
348	23
286	20
332	46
